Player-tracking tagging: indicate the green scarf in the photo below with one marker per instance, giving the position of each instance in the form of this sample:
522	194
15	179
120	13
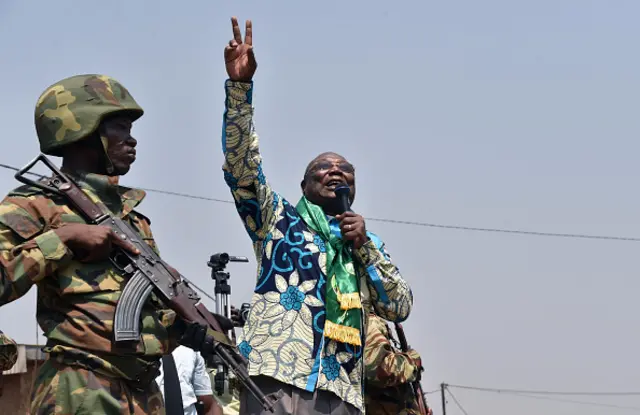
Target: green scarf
343	305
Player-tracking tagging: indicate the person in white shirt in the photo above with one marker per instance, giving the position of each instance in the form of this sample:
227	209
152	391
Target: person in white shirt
195	384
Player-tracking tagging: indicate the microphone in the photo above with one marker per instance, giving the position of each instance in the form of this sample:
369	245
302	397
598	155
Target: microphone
342	194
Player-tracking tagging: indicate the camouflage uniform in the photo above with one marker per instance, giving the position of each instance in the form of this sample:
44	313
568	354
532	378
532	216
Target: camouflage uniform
76	303
388	372
8	352
230	400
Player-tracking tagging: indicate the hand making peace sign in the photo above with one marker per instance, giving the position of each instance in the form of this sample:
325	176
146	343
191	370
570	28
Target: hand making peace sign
238	56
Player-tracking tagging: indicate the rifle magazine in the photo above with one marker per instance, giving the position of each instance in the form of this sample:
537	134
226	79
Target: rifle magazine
126	326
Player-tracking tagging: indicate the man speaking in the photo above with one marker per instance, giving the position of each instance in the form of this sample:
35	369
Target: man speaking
319	271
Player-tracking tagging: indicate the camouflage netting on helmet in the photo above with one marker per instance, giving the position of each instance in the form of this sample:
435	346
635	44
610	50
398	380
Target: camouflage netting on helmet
72	109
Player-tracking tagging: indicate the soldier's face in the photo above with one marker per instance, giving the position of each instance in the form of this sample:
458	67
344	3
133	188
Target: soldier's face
121	146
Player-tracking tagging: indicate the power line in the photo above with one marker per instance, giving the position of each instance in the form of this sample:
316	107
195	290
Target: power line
512	231
166	192
456	401
186	195
544	395
543	392
404	222
586	403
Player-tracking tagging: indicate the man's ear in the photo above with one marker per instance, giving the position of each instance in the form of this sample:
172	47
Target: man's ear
302	184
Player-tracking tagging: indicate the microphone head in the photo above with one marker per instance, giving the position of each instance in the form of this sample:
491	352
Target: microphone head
342	195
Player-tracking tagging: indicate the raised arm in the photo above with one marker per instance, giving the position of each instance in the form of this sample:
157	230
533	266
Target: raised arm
391	296
255	201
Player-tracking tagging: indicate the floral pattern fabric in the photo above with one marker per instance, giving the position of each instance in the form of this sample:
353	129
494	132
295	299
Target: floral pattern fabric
282	337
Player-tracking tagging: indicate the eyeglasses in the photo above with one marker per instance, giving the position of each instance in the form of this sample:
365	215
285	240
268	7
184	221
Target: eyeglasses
343	166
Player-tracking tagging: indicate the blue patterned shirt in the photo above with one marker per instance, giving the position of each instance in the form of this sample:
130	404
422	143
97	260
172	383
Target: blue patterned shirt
283	337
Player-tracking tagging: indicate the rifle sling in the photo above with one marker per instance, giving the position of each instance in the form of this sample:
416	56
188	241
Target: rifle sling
172	392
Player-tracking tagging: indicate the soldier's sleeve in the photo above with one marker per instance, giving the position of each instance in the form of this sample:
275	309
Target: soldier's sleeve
28	252
391	295
384	365
255	201
8	352
143	226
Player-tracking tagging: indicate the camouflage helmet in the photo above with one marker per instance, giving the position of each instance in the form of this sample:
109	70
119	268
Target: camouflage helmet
71	109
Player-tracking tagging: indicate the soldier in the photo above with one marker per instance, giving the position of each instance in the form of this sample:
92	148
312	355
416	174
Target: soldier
8	355
229	402
86	120
388	372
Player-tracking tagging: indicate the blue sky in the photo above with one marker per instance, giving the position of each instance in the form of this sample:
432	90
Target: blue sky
509	114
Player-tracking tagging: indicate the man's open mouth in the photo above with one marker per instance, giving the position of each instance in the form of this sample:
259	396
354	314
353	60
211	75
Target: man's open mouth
332	184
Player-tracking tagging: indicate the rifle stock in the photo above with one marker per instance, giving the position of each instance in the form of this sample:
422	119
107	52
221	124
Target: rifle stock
417	388
146	273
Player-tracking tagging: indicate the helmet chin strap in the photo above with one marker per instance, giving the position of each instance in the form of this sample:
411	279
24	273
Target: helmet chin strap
105	146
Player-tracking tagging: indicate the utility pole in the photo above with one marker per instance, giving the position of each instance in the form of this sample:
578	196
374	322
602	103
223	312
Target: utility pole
444	401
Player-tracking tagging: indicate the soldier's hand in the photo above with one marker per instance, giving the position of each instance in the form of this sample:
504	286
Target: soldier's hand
195	337
238	55
92	242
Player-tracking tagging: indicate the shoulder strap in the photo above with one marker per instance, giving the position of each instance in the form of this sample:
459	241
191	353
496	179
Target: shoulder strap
27	191
172	393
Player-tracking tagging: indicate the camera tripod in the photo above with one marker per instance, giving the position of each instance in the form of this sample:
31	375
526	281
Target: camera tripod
218	262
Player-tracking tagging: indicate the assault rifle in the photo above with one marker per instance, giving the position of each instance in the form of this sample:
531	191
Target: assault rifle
145	272
415	385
